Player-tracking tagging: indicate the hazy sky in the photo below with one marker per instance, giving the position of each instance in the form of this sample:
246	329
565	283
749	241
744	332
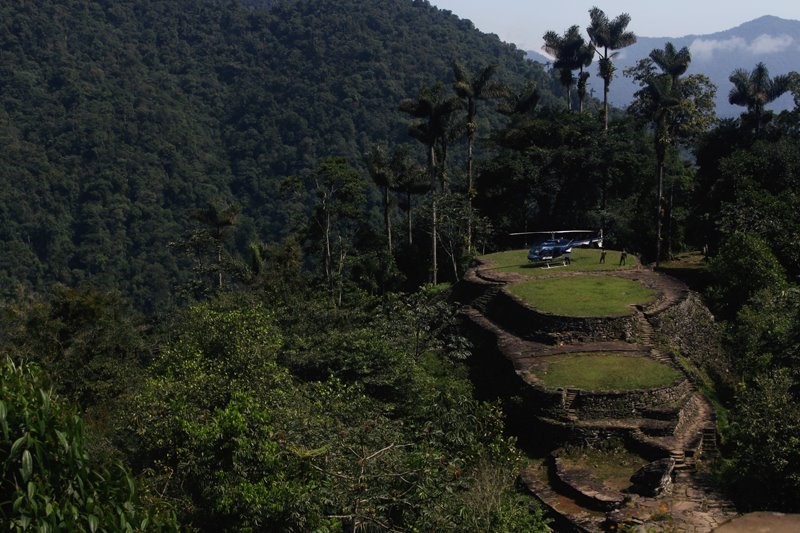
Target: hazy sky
523	22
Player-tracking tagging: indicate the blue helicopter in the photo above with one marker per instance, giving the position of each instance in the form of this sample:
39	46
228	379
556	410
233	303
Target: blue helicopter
556	251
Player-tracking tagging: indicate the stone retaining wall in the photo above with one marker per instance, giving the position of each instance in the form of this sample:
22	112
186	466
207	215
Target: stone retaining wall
527	323
470	288
549	403
628	404
690	327
688	414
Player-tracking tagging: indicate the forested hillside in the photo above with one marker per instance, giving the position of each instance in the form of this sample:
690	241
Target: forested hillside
119	118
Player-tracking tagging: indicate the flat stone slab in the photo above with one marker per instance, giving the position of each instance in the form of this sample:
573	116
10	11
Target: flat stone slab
762	522
592	492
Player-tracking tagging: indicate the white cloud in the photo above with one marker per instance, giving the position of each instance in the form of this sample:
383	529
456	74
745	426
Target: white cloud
770	44
704	49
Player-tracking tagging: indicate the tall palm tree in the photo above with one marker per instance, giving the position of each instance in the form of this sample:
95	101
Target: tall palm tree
520	104
680	108
409	180
571	53
671	61
585	54
664	98
755	90
520	107
434	111
218	218
381	173
471	89
607	36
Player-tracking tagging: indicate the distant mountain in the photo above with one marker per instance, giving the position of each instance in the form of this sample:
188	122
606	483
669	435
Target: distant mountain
771	40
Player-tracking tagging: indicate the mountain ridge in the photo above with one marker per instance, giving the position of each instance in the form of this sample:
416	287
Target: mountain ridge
769	39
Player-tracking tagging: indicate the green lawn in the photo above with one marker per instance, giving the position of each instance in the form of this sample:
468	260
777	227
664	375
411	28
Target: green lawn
583	260
605	371
583	296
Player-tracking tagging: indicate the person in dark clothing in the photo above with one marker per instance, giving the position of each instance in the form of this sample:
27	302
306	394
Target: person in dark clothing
623	257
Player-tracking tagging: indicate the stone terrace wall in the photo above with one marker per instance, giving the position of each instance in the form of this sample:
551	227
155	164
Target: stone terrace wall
690	328
628	404
525	322
549	403
471	288
588	405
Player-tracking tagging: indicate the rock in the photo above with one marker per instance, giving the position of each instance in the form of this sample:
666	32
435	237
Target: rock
654	479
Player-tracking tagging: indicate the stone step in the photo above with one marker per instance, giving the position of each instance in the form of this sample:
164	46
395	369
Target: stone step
679	457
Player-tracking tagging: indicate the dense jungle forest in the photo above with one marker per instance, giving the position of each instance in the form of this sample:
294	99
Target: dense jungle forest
228	231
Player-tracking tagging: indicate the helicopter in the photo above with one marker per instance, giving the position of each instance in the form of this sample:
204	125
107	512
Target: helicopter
558	247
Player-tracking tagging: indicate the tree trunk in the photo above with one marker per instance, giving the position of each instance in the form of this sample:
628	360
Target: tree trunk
340	272
658	210
387	219
434	185
328	254
606	84
669	219
469	193
219	260
434	238
408	219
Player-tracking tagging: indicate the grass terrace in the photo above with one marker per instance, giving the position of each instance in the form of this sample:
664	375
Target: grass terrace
612	465
583	296
583	260
606	371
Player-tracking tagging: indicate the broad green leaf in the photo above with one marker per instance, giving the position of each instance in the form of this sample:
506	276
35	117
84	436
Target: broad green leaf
18	503
93	523
16	446
62	438
27	465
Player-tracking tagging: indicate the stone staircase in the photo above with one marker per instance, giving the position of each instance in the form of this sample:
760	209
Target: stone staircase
567	402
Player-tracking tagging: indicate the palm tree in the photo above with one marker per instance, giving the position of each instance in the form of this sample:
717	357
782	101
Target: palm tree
520	104
218	218
520	107
664	98
679	108
755	90
585	55
409	180
606	36
672	62
381	173
471	89
571	53
434	112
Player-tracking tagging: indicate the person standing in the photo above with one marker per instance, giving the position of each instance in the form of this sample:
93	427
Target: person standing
623	257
